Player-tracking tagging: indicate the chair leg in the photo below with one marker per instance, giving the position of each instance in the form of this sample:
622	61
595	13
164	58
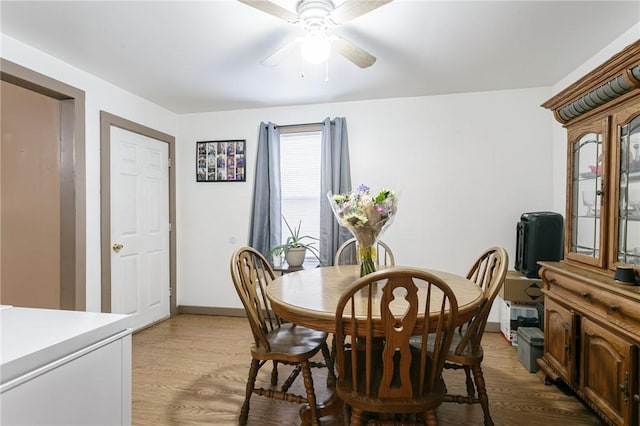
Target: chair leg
274	374
482	394
328	360
292	377
430	418
251	381
356	416
346	415
333	349
311	394
471	390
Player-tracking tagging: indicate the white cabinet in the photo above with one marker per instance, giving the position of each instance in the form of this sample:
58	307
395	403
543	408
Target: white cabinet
64	368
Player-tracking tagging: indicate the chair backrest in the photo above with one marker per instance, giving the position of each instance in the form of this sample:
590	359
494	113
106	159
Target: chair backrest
488	272
347	254
379	324
251	274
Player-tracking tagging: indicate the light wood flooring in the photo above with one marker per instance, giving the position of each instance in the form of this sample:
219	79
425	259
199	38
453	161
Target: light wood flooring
192	370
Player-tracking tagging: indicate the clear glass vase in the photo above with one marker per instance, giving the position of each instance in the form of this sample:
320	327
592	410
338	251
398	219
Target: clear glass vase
366	256
366	243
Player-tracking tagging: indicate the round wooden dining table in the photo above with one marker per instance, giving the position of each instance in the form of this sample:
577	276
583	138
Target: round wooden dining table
309	298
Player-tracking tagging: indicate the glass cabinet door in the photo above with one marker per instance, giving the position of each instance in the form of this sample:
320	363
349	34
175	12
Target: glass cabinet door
628	211
586	186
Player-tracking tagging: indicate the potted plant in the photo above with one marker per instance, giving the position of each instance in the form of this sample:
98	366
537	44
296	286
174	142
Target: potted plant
295	248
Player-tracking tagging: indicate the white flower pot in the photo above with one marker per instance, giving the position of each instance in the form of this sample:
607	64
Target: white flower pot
295	256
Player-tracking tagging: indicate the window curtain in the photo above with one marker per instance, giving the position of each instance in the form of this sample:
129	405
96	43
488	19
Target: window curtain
265	210
335	177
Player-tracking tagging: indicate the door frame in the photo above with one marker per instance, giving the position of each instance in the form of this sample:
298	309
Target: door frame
106	121
73	271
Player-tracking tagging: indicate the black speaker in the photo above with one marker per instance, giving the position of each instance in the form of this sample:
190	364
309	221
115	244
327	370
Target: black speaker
539	237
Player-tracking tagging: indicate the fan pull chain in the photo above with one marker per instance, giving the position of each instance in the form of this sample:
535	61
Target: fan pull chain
301	67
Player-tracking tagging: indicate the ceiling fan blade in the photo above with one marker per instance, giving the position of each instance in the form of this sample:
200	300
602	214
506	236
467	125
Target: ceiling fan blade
272	9
358	56
351	9
279	55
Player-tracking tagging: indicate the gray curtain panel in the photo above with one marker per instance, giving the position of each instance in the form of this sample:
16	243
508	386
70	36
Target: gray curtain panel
265	211
335	178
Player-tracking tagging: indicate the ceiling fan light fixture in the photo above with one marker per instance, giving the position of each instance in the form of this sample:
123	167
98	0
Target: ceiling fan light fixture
316	16
316	48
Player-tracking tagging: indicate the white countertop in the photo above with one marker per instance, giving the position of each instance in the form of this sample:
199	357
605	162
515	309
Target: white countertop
31	338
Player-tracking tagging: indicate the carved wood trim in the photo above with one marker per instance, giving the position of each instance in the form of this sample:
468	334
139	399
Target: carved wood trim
617	66
630	79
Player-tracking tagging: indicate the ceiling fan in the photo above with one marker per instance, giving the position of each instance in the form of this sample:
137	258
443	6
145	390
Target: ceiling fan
316	16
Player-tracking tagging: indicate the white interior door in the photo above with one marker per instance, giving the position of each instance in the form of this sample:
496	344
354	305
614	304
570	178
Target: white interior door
139	227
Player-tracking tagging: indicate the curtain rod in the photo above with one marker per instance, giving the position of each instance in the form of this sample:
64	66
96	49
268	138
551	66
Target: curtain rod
299	125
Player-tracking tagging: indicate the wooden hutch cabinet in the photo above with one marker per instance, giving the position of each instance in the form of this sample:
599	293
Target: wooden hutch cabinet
592	321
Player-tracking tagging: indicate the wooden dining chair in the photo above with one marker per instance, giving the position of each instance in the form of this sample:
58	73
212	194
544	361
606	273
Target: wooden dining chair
274	340
488	272
347	254
381	377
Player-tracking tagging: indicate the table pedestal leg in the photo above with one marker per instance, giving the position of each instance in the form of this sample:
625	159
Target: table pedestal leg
332	407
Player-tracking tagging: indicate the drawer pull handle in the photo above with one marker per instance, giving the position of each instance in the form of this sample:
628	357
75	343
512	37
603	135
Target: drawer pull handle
585	295
636	398
613	308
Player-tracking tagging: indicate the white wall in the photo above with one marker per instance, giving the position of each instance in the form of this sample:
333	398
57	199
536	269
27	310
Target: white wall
100	95
467	166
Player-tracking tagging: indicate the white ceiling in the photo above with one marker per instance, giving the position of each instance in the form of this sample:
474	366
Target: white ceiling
205	55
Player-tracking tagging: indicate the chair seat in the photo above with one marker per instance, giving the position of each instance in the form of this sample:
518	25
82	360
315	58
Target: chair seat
427	401
466	356
291	342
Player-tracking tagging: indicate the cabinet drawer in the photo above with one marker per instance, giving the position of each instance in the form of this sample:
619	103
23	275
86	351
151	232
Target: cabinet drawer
595	302
577	293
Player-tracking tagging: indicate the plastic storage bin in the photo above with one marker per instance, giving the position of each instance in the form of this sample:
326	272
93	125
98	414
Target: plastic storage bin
530	345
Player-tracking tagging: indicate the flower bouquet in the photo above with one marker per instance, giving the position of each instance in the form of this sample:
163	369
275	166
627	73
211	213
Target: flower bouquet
366	216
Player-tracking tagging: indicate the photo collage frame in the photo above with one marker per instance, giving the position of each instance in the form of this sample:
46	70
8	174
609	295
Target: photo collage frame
220	161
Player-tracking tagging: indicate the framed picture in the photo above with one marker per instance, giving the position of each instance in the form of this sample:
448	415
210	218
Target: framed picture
220	161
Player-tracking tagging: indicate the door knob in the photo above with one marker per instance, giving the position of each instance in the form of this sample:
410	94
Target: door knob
117	247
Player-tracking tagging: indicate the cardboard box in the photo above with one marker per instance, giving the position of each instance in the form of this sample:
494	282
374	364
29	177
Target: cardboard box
520	289
509	314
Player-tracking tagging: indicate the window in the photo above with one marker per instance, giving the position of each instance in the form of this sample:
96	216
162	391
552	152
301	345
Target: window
300	180
304	155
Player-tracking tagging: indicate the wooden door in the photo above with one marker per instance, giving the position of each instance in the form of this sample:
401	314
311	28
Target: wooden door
139	227
607	371
30	199
560	339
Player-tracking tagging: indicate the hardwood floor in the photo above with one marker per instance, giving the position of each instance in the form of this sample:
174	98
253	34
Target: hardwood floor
192	369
